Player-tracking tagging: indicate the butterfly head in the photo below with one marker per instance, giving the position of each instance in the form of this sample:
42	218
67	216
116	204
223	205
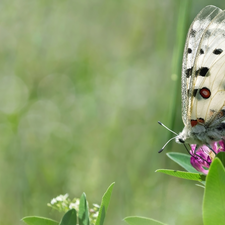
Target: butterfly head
194	135
188	135
182	137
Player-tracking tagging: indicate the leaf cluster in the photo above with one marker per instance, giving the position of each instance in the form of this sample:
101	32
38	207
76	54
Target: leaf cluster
73	217
213	207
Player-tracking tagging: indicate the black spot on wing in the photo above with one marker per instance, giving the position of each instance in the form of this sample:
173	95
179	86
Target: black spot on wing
208	33
192	33
195	92
189	50
201	51
202	72
217	51
188	72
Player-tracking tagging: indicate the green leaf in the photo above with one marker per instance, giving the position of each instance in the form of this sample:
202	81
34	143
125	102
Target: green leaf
183	160
69	218
83	213
221	156
36	220
137	220
214	196
104	205
202	186
183	174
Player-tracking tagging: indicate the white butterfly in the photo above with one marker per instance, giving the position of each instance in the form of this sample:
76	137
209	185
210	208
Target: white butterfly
203	79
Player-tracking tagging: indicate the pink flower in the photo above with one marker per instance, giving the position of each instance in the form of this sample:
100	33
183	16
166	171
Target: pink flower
204	156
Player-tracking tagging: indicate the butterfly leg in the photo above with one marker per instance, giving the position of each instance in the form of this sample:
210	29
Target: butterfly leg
211	148
196	147
195	155
198	155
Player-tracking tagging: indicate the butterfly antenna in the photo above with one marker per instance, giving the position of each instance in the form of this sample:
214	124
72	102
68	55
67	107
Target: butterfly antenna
166	127
166	144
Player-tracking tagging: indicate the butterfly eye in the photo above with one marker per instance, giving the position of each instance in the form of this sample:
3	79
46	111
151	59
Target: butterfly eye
205	92
181	140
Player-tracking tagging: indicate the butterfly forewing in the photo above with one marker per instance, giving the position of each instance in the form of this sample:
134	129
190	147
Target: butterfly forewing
209	74
194	36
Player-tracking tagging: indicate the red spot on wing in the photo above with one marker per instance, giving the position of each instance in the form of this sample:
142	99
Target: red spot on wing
194	123
211	112
205	92
200	120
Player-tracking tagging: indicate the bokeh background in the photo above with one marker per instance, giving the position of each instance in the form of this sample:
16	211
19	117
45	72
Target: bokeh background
82	86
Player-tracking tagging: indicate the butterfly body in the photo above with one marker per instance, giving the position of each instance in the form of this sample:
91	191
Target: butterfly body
200	135
203	79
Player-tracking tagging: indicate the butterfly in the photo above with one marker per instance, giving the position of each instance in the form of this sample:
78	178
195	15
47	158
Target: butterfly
203	79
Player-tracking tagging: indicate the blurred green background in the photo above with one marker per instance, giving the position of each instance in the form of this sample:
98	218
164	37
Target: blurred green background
82	86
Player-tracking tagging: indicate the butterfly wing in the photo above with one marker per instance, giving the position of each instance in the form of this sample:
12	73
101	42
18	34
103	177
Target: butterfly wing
192	58
209	82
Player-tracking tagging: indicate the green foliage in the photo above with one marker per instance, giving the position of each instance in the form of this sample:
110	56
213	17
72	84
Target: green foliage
183	160
83	214
214	196
137	220
70	218
183	174
35	220
221	156
104	205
